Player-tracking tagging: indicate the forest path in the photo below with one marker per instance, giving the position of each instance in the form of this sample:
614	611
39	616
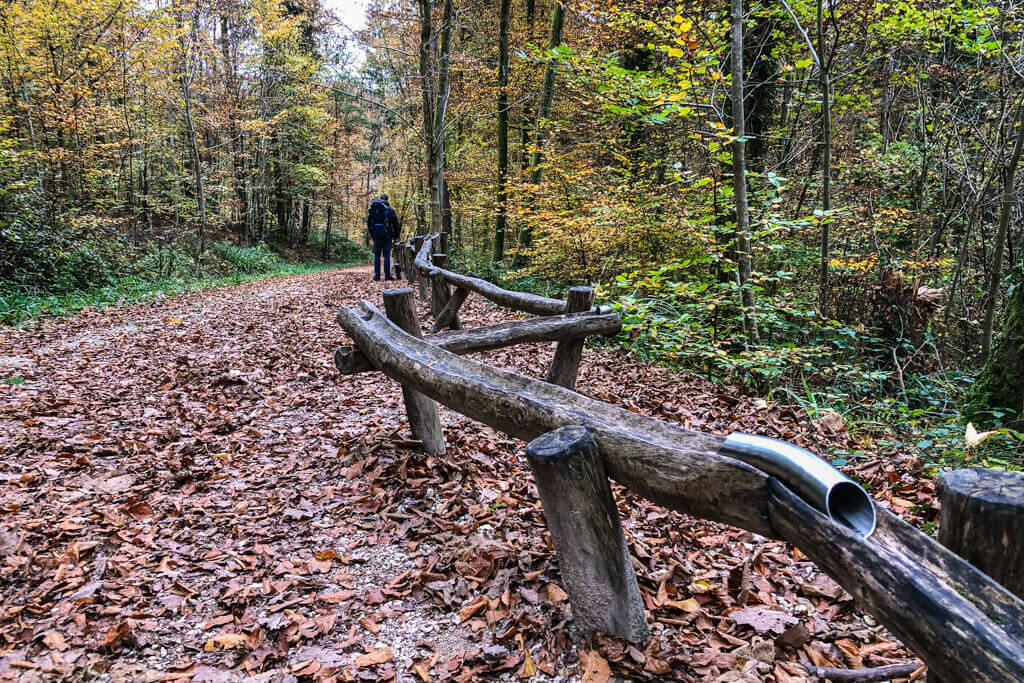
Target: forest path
187	486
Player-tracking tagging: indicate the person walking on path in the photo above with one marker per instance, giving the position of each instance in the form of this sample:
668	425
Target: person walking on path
382	223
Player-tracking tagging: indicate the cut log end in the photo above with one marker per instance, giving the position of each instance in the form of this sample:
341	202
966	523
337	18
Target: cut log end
559	445
982	521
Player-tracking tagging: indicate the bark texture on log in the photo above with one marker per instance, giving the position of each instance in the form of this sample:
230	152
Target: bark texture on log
983	522
587	534
565	366
520	301
351	361
960	622
963	624
424	421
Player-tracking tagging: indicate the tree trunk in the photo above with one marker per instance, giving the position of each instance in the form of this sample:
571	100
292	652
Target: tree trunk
435	103
826	163
327	231
426	85
739	174
186	93
1009	180
501	196
1000	385
544	111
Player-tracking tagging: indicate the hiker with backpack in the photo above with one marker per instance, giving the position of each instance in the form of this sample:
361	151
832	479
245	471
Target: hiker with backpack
382	223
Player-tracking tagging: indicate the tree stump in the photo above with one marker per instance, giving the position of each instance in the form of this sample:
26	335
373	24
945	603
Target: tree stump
424	420
587	534
565	366
982	521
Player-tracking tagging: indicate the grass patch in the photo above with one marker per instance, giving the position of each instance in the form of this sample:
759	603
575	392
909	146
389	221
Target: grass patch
19	307
13	380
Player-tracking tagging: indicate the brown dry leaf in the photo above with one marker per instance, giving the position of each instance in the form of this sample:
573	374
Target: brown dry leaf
556	594
596	669
689	605
140	510
226	641
55	640
338	597
475	607
378	656
115	635
763	620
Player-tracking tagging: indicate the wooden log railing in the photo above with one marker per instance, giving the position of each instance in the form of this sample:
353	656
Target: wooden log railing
520	301
963	625
573	326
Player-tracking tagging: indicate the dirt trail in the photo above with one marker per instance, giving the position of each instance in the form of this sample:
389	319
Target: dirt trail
188	489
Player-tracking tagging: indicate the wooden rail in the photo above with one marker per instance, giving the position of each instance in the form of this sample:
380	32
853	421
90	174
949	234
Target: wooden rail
963	624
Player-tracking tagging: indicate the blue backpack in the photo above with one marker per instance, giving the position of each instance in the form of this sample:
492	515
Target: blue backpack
377	221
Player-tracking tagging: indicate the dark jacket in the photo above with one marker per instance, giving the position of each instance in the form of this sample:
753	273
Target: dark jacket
382	221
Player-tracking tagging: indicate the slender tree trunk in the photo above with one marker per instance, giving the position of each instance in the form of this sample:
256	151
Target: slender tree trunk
739	174
502	190
327	230
544	111
187	74
826	162
438	193
1006	209
426	86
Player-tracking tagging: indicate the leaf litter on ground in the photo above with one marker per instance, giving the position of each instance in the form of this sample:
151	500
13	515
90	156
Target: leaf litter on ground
207	497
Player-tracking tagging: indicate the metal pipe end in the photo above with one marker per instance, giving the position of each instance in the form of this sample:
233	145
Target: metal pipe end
809	476
851	506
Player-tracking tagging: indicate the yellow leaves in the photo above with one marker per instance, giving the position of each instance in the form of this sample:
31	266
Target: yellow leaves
226	641
675	52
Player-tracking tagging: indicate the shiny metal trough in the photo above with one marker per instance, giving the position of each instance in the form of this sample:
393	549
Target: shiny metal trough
811	477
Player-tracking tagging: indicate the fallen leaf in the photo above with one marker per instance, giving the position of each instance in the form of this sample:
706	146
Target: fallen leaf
226	641
972	437
763	620
556	594
596	669
378	656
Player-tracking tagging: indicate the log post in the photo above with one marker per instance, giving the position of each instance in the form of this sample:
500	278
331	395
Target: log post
565	365
587	534
982	521
449	315
424	420
398	256
411	274
417	243
440	293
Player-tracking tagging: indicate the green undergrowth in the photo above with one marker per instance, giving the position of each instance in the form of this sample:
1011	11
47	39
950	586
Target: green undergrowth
160	272
821	366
